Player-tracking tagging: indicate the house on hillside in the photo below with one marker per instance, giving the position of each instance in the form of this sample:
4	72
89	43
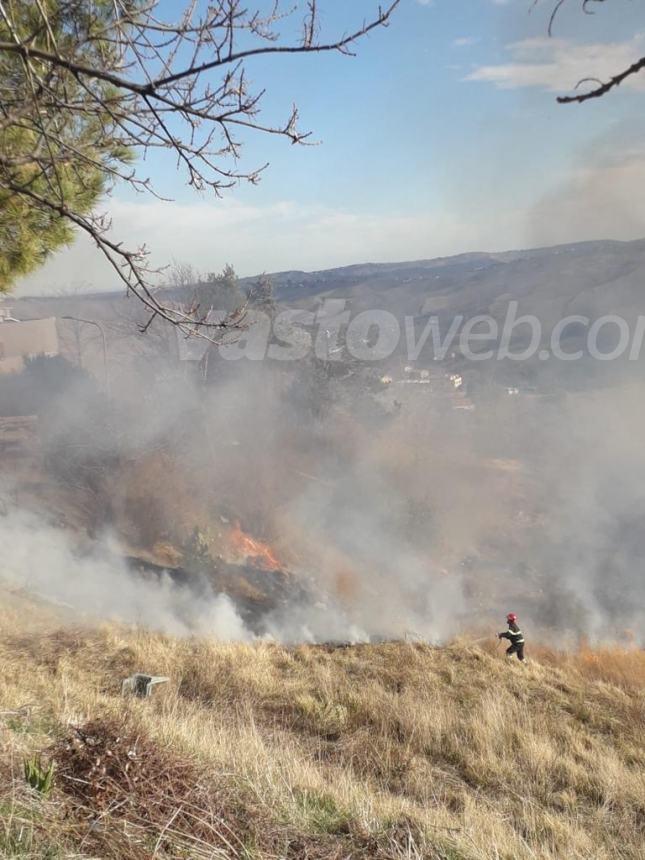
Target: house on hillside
23	339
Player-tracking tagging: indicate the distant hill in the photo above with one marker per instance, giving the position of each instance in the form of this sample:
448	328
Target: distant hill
591	278
586	277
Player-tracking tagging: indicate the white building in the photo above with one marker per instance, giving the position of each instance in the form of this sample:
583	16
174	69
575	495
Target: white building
20	340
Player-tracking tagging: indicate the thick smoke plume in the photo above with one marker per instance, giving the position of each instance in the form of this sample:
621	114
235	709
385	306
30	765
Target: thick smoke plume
40	559
391	512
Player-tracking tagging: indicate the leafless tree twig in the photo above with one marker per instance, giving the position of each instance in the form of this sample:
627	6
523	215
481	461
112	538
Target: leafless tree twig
87	84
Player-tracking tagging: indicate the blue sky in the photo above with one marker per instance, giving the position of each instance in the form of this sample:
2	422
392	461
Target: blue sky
442	135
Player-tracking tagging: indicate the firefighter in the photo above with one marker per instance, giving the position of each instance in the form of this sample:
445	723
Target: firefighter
515	636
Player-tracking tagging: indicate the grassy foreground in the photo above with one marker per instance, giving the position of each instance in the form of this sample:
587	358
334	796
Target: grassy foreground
389	751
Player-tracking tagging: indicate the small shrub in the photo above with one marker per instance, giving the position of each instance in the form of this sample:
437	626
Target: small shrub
321	813
39	777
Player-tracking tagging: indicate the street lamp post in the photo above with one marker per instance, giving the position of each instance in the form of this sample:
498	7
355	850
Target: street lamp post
99	326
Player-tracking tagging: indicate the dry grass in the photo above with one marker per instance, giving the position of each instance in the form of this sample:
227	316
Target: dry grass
390	751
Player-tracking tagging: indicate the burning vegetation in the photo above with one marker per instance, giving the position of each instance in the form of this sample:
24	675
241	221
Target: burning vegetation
165	509
243	548
347	524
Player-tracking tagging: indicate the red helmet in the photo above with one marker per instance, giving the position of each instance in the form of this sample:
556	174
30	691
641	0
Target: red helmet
511	618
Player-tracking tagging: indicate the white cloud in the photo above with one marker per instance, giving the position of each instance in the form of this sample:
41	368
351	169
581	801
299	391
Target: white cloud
464	41
558	64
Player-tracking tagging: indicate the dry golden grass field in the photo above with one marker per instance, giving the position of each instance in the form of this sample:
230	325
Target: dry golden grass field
260	751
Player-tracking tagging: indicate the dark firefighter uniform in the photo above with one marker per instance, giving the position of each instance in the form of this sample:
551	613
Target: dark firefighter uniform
516	638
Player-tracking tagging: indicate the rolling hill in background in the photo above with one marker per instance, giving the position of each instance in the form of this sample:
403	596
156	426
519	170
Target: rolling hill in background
590	278
586	278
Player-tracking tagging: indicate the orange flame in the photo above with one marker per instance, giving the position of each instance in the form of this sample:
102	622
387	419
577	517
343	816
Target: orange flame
245	547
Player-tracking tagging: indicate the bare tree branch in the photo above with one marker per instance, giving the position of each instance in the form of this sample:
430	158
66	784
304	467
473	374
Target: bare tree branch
584	4
602	87
83	83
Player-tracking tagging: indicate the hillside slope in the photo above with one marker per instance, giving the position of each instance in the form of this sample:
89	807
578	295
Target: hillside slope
391	751
592	278
589	279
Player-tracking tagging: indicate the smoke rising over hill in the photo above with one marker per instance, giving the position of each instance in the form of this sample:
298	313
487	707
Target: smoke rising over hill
331	499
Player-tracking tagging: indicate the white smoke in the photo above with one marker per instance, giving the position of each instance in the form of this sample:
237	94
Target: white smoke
424	521
42	560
